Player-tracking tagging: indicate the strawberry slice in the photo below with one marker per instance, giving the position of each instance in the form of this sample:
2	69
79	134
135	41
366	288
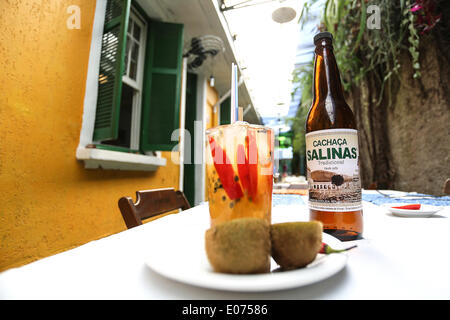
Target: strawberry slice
225	171
252	156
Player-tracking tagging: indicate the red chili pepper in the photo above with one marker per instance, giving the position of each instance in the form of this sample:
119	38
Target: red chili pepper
326	249
409	207
225	171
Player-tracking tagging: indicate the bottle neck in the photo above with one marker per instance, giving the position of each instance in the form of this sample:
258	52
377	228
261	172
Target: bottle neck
327	82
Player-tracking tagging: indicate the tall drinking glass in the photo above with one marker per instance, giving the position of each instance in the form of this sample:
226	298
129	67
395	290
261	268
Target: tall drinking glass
239	166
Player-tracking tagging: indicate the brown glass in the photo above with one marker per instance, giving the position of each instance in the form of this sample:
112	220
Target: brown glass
335	114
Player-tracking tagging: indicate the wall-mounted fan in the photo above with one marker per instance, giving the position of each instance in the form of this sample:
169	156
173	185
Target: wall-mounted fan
202	48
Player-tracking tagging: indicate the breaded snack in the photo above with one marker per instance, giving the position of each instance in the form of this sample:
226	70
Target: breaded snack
296	244
239	246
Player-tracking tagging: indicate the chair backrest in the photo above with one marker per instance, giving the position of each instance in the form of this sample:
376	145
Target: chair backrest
150	203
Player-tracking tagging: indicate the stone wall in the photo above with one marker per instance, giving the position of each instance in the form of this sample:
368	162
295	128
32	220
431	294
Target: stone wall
405	140
419	123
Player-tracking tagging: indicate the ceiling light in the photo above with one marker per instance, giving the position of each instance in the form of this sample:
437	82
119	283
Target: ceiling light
283	14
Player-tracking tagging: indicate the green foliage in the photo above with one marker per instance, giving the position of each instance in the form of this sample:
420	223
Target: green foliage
305	14
358	50
303	76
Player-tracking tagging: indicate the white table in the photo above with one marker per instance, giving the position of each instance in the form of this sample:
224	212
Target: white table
399	258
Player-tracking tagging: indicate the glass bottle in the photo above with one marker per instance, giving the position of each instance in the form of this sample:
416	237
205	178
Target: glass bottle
332	150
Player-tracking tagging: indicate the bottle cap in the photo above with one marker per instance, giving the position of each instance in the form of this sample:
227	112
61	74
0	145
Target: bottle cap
323	35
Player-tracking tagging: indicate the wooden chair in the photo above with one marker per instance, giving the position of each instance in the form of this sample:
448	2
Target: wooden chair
150	203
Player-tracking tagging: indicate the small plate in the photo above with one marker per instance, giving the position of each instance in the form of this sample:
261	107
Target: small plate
186	261
425	210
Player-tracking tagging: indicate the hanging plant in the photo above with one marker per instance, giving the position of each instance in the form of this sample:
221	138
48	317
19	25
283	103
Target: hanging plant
421	19
425	13
360	50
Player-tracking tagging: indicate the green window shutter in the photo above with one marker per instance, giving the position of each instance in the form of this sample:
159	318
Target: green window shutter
162	85
225	111
111	70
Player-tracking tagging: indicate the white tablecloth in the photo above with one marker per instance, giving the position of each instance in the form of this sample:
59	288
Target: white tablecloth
399	258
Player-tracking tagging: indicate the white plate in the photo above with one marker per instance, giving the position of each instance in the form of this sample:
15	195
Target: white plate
424	211
185	261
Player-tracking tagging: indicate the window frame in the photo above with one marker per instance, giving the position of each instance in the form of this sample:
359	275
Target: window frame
106	156
137	84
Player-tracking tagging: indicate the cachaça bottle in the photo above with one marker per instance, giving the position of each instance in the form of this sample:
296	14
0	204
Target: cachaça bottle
332	154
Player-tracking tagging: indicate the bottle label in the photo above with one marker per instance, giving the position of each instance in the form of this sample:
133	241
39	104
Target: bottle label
332	160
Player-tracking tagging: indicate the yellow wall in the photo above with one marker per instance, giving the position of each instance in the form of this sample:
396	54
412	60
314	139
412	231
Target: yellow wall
49	202
212	116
